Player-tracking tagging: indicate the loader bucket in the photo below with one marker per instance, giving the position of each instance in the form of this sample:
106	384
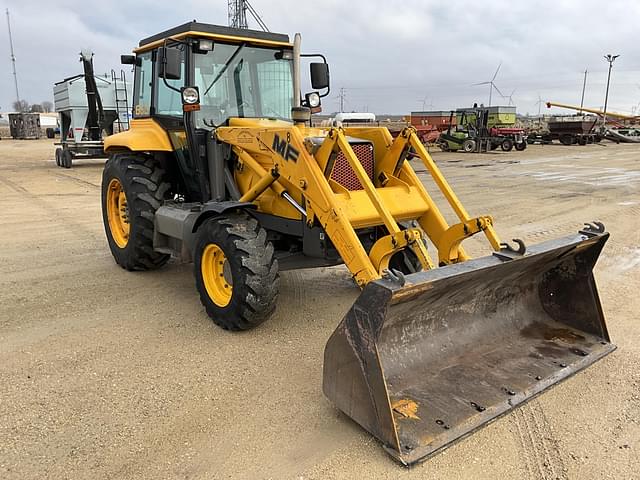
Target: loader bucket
424	364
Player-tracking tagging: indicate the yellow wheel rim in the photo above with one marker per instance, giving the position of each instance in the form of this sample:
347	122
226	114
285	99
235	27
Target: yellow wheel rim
118	213
216	275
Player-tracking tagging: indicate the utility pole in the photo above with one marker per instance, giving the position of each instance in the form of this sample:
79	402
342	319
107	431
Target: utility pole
609	58
13	60
584	85
342	96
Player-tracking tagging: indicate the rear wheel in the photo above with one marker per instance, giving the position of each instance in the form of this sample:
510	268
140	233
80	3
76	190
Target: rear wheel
444	146
506	145
133	187
66	158
521	146
236	271
469	145
58	156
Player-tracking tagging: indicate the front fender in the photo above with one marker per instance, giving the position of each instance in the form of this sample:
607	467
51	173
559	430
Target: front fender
144	135
213	209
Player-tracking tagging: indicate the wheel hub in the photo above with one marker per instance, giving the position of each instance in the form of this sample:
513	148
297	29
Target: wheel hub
216	275
118	213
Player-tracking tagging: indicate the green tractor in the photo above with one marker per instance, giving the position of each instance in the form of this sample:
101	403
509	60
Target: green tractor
470	133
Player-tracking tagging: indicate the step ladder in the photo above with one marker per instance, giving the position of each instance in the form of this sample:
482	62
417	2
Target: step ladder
122	100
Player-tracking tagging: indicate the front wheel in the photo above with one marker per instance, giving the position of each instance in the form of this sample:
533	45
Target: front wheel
521	146
469	145
236	271
133	188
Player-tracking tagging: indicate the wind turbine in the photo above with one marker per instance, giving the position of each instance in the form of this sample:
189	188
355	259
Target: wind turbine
539	104
510	97
491	84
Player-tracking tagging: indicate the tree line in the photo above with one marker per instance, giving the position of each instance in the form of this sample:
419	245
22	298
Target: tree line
24	106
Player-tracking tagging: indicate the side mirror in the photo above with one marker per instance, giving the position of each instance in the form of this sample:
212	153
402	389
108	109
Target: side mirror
128	59
319	75
169	63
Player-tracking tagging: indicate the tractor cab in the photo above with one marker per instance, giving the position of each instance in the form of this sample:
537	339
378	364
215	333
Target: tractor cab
196	77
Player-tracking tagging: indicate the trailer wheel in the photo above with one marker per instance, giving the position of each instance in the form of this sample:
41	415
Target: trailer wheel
506	145
582	140
59	156
521	146
51	133
66	158
566	139
469	145
236	271
133	187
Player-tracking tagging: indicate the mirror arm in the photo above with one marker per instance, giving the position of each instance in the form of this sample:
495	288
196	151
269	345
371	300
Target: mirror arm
324	59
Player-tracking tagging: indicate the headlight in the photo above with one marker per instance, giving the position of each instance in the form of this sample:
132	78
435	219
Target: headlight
190	96
205	45
313	99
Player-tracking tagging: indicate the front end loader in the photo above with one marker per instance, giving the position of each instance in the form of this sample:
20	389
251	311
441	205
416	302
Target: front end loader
222	167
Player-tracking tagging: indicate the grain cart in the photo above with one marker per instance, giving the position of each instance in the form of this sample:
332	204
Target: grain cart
89	107
221	166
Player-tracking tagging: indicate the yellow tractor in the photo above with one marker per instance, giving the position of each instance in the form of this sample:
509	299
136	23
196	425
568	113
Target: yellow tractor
223	167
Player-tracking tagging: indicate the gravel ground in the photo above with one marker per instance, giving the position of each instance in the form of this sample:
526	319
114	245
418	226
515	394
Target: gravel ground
111	374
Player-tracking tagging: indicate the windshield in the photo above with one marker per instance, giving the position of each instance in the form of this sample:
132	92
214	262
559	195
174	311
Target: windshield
242	81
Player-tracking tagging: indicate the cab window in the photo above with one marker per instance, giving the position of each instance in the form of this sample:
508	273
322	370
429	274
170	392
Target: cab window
169	101
142	86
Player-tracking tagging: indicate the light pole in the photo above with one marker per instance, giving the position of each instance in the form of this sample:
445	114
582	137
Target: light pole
609	58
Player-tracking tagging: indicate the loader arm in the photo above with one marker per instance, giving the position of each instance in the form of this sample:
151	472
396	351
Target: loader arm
399	195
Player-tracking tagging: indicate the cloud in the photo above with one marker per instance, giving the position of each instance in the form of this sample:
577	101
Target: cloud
388	56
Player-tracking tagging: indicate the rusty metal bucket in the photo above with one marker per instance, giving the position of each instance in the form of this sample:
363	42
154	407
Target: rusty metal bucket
422	365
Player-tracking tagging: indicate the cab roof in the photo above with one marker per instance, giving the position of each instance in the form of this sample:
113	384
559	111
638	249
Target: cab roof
219	32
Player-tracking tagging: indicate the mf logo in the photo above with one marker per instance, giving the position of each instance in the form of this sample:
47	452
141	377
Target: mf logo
284	148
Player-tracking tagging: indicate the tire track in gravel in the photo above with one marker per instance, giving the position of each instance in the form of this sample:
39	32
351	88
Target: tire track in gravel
13	186
70	222
538	446
80	181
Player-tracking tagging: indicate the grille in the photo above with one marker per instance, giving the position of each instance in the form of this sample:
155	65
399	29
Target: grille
344	174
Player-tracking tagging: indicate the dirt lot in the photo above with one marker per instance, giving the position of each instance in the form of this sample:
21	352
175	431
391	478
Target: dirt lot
110	374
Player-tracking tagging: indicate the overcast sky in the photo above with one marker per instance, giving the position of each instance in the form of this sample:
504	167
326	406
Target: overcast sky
390	57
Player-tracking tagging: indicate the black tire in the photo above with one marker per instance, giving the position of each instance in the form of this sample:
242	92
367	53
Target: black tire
51	133
566	139
66	158
145	187
250	267
444	146
58	156
582	140
469	145
521	146
506	145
